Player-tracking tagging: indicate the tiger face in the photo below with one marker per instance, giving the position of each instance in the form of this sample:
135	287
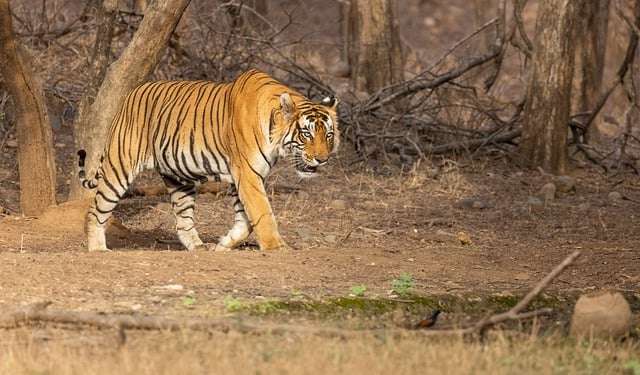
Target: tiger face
314	135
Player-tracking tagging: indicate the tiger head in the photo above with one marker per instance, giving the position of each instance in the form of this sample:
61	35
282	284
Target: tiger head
313	133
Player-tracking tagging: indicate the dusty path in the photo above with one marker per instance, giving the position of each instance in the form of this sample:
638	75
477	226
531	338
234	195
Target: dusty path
351	228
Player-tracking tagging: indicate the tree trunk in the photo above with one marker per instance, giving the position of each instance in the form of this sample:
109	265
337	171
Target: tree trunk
592	45
548	104
36	159
105	18
136	62
485	10
375	55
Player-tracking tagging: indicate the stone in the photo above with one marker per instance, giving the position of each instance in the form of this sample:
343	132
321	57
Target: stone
11	143
565	184
465	203
479	205
602	314
60	145
547	192
464	238
469	203
615	196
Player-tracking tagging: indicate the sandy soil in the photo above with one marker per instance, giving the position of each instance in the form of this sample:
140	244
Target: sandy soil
350	227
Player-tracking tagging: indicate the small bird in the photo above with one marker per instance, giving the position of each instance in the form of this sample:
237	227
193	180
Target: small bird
429	321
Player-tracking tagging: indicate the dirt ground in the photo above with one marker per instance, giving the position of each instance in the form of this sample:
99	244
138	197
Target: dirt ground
349	227
463	229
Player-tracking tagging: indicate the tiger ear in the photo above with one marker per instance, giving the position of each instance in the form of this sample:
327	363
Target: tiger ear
287	105
331	102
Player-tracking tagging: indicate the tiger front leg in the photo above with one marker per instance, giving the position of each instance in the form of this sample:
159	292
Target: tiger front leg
258	209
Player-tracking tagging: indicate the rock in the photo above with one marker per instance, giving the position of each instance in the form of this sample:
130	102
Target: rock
338	204
548	192
465	203
614	196
464	238
565	184
429	21
60	145
11	143
603	314
474	203
479	205
156	299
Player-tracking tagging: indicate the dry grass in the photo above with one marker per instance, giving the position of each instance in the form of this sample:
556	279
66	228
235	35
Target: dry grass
196	353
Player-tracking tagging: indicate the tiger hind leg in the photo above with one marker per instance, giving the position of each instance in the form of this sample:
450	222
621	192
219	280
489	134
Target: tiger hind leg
183	203
108	194
241	226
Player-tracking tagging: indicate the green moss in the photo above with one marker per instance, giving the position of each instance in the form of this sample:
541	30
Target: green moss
476	305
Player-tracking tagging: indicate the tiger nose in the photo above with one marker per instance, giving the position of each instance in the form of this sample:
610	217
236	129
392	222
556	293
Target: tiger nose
321	161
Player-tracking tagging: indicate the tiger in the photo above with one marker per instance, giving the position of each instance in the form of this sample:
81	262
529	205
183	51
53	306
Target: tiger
197	131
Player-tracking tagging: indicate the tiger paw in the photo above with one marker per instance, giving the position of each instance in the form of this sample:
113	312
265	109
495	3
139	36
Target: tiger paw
99	250
219	248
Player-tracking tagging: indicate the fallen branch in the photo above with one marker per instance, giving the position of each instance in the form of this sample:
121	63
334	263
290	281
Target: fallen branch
38	313
413	86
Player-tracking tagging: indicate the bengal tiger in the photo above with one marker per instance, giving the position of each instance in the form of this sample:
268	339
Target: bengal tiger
194	131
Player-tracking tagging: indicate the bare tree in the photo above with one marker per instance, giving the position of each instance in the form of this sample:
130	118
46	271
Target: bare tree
591	48
105	18
136	62
374	51
548	104
485	10
36	159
